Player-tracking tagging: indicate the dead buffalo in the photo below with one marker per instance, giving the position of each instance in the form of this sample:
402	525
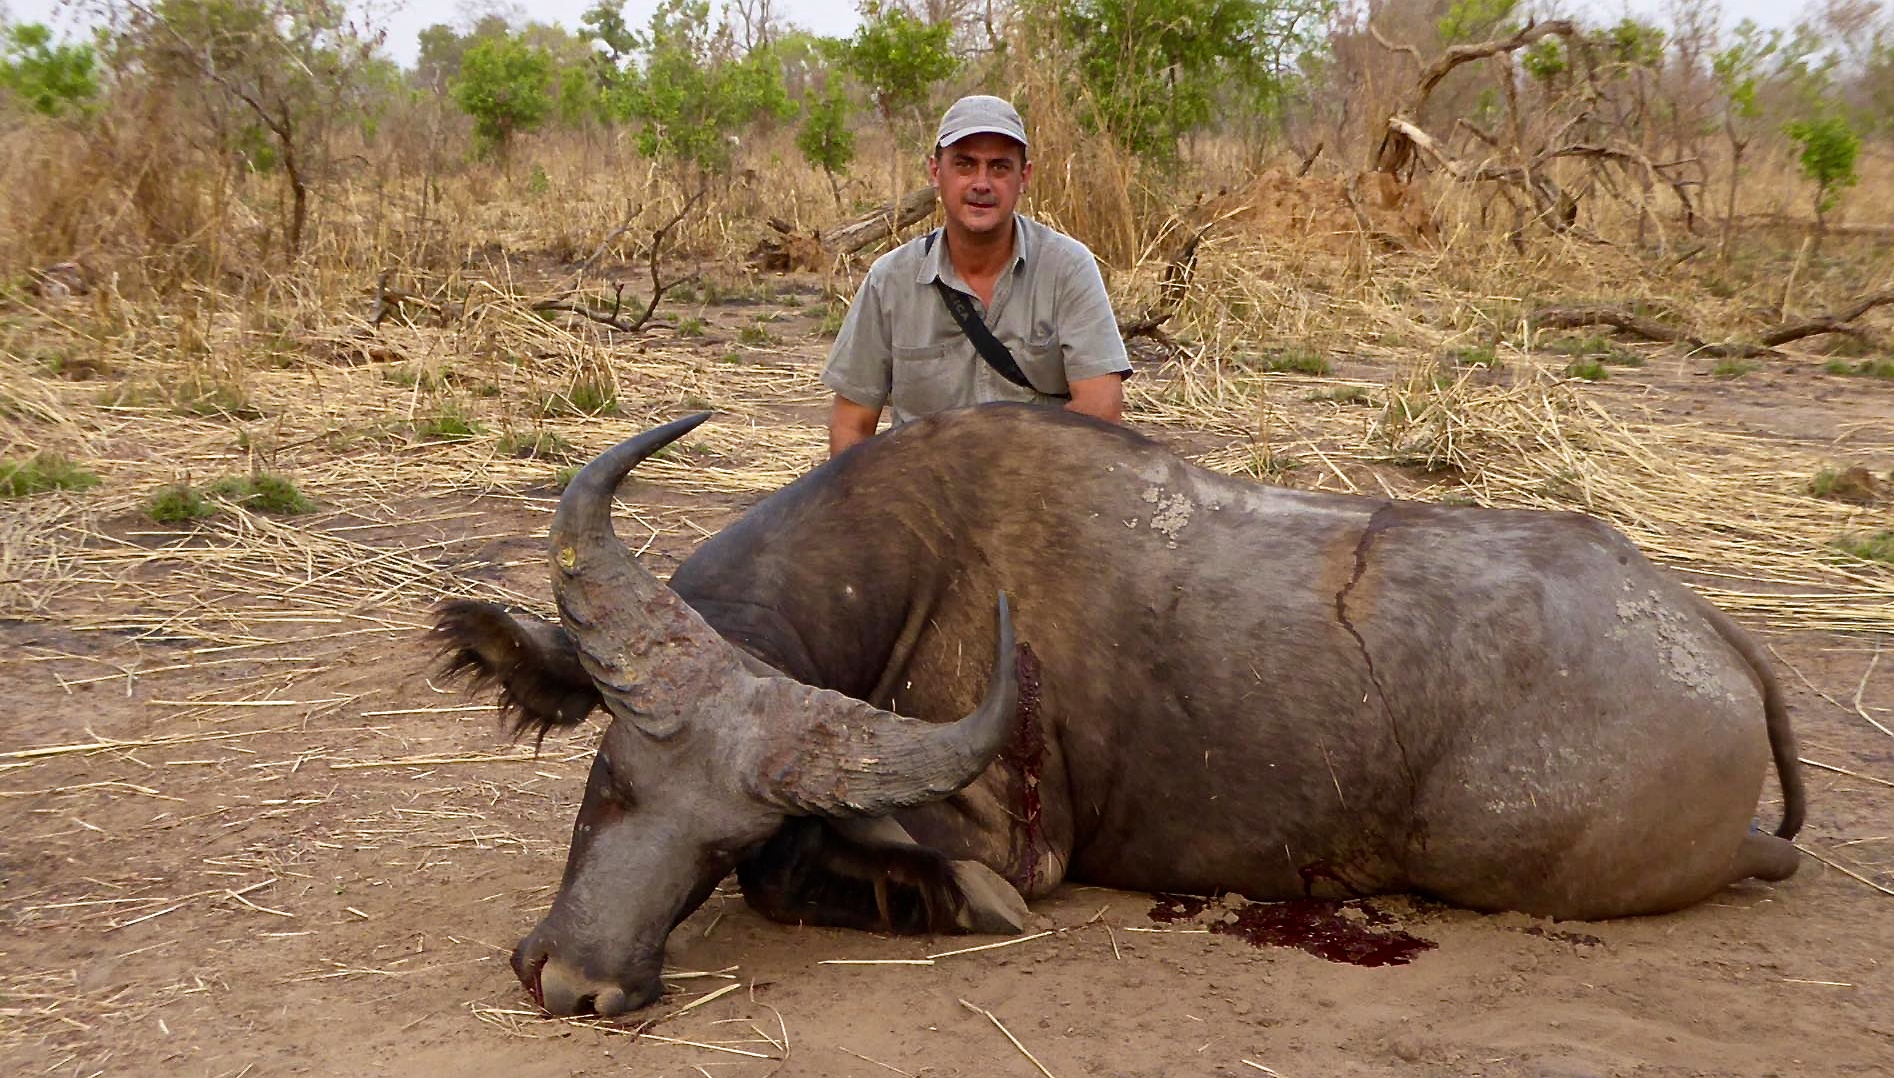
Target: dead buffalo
1220	685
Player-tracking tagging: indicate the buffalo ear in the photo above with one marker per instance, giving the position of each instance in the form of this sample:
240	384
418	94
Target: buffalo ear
533	662
817	752
990	905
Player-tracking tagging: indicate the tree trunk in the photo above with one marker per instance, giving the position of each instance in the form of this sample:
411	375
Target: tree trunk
1729	209
298	189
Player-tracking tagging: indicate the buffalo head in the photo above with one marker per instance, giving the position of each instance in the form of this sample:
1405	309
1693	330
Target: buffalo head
706	755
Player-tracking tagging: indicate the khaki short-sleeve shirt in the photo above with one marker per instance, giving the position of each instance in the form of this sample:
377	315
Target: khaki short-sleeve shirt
900	347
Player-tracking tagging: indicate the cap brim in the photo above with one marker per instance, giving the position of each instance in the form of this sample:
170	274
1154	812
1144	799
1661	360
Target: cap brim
957	134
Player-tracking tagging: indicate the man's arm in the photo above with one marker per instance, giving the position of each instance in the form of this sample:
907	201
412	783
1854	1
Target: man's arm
861	365
1096	365
1102	397
850	423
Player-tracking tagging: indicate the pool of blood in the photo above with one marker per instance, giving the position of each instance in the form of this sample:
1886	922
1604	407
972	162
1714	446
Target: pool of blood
1315	925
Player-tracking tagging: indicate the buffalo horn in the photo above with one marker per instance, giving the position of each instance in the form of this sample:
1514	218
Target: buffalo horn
825	754
648	651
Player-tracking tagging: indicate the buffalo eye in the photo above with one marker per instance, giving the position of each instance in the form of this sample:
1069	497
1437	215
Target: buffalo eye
614	786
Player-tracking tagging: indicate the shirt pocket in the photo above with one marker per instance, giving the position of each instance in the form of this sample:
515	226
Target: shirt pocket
1043	361
927	380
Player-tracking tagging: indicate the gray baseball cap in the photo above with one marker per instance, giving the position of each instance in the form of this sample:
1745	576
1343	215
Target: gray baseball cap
980	114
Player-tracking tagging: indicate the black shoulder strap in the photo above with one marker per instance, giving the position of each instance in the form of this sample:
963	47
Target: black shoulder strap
996	354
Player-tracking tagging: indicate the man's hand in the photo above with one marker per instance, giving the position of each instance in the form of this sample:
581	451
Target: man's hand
1102	397
850	423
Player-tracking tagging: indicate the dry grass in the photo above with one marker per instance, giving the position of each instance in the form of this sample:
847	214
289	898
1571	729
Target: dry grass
434	402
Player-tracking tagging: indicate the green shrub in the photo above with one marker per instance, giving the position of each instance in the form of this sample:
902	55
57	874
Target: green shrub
1589	369
178	504
42	472
690	327
212	397
754	335
832	320
1731	367
505	85
1594	346
1877	546
588	395
540	445
1296	359
1829	148
50	79
1480	355
263	492
1867	368
450	424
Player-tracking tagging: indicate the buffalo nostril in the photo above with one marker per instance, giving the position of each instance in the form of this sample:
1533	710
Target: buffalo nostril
528	968
610	1003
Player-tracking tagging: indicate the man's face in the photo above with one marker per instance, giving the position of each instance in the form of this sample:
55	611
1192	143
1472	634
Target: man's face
980	179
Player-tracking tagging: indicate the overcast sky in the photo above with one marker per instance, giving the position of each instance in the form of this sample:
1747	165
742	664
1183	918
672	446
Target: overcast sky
830	17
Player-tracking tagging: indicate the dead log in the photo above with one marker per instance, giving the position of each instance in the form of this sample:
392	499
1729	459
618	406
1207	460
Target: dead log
1652	330
791	250
884	221
1649	329
1827	323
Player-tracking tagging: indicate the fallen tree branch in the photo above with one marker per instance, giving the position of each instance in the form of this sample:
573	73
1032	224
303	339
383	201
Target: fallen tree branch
1649	329
884	221
1556	208
562	301
659	286
608	318
798	251
389	300
1827	323
1172	289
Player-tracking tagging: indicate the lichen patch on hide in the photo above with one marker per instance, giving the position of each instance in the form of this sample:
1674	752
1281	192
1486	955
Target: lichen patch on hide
1679	645
1170	513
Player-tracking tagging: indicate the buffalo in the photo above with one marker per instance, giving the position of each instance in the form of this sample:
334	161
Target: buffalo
1217	685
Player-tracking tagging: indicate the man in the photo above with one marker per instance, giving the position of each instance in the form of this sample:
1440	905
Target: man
1037	291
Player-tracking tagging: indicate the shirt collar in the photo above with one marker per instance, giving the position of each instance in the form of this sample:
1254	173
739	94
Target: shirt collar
936	265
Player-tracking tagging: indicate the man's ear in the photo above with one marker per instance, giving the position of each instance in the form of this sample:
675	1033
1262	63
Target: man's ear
1025	174
933	168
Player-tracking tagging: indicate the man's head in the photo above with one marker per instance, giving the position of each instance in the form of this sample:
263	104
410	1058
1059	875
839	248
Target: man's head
979	163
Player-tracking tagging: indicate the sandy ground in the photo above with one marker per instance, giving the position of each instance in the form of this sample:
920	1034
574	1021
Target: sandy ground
307	858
